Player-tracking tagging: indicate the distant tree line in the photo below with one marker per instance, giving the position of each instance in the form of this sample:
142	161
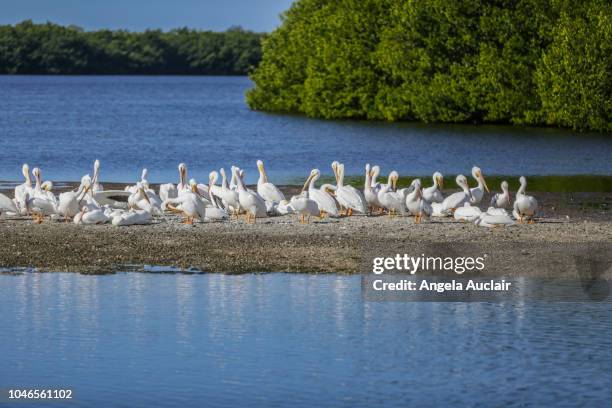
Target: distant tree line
28	48
541	62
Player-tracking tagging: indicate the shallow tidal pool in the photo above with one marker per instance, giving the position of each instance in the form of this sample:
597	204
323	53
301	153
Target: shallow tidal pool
183	340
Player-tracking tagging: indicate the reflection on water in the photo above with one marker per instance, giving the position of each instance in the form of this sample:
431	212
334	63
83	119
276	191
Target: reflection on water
62	123
305	340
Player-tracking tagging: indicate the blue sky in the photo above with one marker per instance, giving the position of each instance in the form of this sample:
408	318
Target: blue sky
137	15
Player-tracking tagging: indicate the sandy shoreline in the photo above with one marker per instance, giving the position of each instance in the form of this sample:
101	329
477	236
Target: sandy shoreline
577	224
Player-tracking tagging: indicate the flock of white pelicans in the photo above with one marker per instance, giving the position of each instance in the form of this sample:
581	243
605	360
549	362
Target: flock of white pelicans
139	203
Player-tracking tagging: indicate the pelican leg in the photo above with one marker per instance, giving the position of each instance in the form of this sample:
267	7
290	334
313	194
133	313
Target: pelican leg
350	212
342	210
531	221
302	219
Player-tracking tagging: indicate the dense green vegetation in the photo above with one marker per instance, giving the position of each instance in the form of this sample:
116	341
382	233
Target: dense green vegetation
542	62
29	48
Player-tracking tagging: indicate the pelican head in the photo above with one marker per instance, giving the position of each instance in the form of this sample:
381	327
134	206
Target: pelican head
86	184
213	176
375	171
523	181
182	168
262	171
142	192
416	183
25	170
462	182
477	174
504	187
36	174
47	185
393	178
335	165
193	185
313	173
438	180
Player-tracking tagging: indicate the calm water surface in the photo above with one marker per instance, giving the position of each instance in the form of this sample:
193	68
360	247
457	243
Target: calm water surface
63	123
300	340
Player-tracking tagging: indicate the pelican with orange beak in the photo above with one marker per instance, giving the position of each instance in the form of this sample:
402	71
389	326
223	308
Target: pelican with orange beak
455	200
169	190
268	191
433	194
348	196
324	200
478	191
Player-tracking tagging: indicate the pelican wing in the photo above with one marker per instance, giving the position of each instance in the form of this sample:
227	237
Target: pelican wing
455	200
269	192
6	204
324	201
351	198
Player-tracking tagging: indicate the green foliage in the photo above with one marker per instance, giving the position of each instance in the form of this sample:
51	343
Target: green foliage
573	78
501	61
29	48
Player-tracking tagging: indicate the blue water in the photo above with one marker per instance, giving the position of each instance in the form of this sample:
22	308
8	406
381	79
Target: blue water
292	340
63	123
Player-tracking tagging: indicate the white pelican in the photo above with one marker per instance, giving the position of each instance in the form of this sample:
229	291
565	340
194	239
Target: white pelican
525	206
91	216
389	198
467	213
325	202
416	204
304	206
370	192
214	212
265	189
494	217
501	200
282	208
189	203
229	196
96	186
374	182
455	200
478	191
38	202
251	202
138	217
169	190
213	190
433	194
68	203
140	200
23	189
348	196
